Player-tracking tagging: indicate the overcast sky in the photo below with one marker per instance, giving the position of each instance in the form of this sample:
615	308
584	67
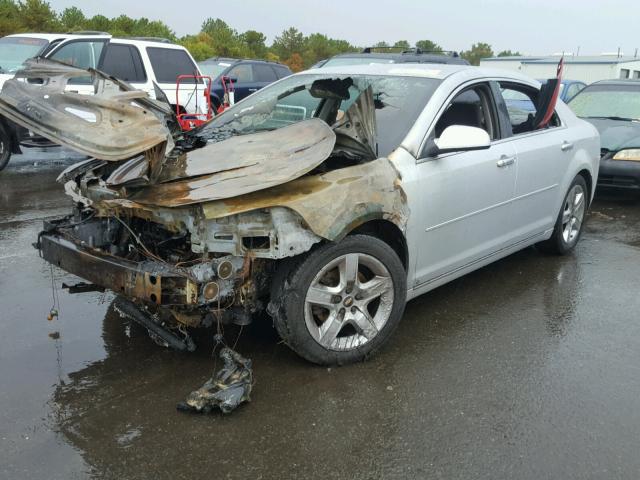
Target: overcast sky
530	26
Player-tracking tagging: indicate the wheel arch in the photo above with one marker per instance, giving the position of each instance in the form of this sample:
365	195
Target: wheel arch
388	232
586	174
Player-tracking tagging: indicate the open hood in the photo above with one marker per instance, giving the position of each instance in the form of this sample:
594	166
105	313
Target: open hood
116	123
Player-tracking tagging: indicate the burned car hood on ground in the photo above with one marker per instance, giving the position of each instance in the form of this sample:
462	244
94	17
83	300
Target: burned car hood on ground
617	134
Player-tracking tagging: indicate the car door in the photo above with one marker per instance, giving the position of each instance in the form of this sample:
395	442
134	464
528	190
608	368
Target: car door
125	63
263	75
543	157
82	53
242	75
465	213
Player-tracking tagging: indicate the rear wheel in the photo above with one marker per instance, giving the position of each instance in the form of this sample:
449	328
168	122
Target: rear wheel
568	227
5	148
342	301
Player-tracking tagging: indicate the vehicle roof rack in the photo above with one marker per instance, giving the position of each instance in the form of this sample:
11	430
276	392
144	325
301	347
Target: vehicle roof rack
413	50
151	39
88	32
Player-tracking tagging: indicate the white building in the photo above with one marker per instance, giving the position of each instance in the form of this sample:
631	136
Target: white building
587	69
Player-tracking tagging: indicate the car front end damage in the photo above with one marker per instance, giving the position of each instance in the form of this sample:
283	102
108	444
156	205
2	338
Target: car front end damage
193	228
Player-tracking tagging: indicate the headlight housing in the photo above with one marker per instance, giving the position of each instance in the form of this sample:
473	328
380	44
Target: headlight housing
629	154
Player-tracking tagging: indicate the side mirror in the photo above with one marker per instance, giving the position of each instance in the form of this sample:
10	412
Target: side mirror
461	138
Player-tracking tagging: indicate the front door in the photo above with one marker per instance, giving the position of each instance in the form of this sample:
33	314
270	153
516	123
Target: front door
465	212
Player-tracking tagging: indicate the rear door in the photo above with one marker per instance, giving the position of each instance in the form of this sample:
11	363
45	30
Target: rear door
263	75
125	63
543	157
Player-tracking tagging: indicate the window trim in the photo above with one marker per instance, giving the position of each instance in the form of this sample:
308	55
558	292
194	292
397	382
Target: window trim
486	83
507	119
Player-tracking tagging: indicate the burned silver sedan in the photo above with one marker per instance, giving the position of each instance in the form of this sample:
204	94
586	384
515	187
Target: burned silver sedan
327	199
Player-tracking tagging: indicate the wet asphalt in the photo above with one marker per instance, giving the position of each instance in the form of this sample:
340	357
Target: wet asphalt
526	369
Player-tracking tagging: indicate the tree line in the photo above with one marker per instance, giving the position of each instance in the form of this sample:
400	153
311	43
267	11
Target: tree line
215	38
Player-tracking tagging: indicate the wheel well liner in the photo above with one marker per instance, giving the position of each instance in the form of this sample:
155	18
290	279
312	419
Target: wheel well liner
388	233
589	181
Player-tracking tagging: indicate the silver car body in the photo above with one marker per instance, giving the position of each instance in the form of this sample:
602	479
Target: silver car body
466	211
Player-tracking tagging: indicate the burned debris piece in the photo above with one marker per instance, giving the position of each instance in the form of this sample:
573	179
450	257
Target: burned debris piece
226	390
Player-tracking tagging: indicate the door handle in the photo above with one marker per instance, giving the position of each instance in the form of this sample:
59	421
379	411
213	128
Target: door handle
566	146
253	89
505	161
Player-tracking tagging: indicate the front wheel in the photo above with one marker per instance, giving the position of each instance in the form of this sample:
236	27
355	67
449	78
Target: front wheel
5	148
568	227
342	301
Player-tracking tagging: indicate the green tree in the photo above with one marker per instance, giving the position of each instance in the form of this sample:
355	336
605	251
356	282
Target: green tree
225	41
73	19
288	42
37	16
10	21
509	53
402	44
381	44
99	23
255	43
477	52
428	46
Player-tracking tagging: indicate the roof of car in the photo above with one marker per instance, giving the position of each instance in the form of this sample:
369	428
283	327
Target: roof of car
425	70
633	82
236	60
141	41
407	57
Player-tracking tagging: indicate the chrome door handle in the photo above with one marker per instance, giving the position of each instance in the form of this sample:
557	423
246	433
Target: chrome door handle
505	161
253	89
566	146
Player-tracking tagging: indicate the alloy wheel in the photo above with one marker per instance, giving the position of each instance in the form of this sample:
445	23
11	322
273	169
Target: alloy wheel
349	301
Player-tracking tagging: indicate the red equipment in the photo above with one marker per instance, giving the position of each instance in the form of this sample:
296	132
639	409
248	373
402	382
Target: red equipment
189	121
228	98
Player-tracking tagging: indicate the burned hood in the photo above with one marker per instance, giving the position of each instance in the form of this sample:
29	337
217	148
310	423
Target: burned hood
115	123
239	165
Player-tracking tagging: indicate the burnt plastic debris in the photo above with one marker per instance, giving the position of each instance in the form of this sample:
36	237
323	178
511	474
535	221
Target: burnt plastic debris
226	390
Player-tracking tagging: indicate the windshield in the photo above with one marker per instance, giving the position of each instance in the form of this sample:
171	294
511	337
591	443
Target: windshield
213	69
15	50
398	102
618	101
339	61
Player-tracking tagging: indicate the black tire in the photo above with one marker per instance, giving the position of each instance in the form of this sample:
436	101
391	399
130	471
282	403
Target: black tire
5	148
559	244
290	311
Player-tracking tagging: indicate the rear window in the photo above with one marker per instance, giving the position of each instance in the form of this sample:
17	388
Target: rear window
124	62
15	50
168	63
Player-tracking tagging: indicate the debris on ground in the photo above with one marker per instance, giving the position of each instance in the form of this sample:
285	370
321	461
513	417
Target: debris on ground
227	389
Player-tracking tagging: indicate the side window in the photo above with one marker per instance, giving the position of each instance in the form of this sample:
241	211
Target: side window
472	108
263	73
242	73
281	71
169	63
123	62
572	91
521	102
81	54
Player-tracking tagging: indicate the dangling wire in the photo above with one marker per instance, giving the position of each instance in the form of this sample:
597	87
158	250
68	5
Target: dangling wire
55	306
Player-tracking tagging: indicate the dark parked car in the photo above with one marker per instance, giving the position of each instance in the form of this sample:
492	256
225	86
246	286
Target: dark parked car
387	55
248	76
613	107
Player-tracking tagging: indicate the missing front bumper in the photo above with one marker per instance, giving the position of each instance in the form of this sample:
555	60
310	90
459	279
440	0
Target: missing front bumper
145	281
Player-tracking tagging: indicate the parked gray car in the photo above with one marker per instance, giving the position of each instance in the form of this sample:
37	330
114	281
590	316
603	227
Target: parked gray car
328	199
